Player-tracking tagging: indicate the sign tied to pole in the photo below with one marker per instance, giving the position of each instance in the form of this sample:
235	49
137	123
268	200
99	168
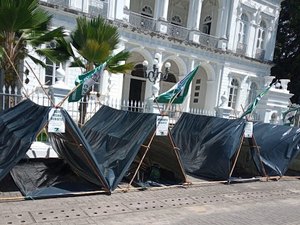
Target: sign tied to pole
56	122
162	125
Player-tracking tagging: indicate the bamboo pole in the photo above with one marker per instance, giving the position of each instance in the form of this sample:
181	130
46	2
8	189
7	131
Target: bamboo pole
258	152
236	157
141	161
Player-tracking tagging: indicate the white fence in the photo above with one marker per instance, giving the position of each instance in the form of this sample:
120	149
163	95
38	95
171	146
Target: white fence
10	97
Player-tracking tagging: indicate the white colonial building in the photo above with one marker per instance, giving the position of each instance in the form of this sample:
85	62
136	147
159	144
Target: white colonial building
232	41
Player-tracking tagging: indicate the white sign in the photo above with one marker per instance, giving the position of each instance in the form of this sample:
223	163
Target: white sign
56	122
248	133
162	125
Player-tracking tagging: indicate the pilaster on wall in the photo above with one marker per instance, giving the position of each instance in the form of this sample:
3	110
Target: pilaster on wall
232	25
186	104
122	6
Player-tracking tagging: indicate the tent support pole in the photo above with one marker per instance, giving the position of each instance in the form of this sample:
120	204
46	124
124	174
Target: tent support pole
236	157
141	161
258	152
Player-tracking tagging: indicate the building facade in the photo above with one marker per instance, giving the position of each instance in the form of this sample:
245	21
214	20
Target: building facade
232	41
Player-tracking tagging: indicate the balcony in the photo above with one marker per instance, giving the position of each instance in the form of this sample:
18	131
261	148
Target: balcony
141	22
177	31
93	8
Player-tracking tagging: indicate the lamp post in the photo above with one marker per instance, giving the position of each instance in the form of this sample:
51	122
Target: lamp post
155	76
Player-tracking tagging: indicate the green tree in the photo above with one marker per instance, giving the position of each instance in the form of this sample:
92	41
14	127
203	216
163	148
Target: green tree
287	49
94	41
23	24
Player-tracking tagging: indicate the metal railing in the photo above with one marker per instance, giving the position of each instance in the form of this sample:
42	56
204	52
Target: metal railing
177	31
260	54
142	22
10	97
94	7
241	48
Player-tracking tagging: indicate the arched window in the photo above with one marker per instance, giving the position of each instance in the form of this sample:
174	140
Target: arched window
176	20
261	35
147	11
233	92
207	25
243	33
138	71
252	92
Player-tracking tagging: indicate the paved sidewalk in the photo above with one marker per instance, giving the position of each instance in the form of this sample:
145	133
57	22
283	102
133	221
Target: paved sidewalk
273	202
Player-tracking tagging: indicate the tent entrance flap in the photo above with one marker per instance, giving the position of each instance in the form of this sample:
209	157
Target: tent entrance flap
247	161
160	163
119	140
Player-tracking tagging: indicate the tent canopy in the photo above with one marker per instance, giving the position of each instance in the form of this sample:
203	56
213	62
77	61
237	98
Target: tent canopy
19	127
278	145
119	140
207	144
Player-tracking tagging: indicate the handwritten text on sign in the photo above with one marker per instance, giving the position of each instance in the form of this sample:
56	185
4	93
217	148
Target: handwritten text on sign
162	125
56	122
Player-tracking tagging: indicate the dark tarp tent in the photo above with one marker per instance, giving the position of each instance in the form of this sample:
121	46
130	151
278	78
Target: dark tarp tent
19	127
207	144
123	140
279	147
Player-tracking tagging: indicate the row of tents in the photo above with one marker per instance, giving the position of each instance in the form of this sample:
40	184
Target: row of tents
117	146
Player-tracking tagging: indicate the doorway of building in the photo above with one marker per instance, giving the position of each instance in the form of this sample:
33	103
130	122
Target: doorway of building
137	88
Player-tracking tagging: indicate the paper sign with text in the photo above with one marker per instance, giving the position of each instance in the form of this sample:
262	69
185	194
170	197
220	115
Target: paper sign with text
56	122
162	125
248	130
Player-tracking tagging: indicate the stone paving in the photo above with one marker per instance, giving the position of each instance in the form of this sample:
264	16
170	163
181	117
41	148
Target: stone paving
273	202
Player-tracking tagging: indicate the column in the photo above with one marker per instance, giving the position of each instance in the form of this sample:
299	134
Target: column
251	39
161	10
120	5
161	14
111	9
222	20
195	8
193	23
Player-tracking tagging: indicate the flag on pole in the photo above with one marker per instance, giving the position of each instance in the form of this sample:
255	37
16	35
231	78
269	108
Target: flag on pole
178	92
253	105
85	82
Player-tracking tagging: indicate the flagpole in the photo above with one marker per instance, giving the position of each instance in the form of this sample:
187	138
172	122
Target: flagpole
68	95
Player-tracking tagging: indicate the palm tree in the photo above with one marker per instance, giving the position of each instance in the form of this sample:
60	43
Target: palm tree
23	24
94	40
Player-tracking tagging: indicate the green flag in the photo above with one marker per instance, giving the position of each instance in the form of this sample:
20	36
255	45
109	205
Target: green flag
252	106
85	82
178	92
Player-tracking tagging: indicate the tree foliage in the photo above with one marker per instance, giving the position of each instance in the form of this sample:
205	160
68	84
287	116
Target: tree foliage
23	24
90	44
287	49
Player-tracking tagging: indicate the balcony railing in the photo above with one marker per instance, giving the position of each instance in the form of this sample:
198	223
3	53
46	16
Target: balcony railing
177	31
260	54
94	7
241	48
142	22
208	40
